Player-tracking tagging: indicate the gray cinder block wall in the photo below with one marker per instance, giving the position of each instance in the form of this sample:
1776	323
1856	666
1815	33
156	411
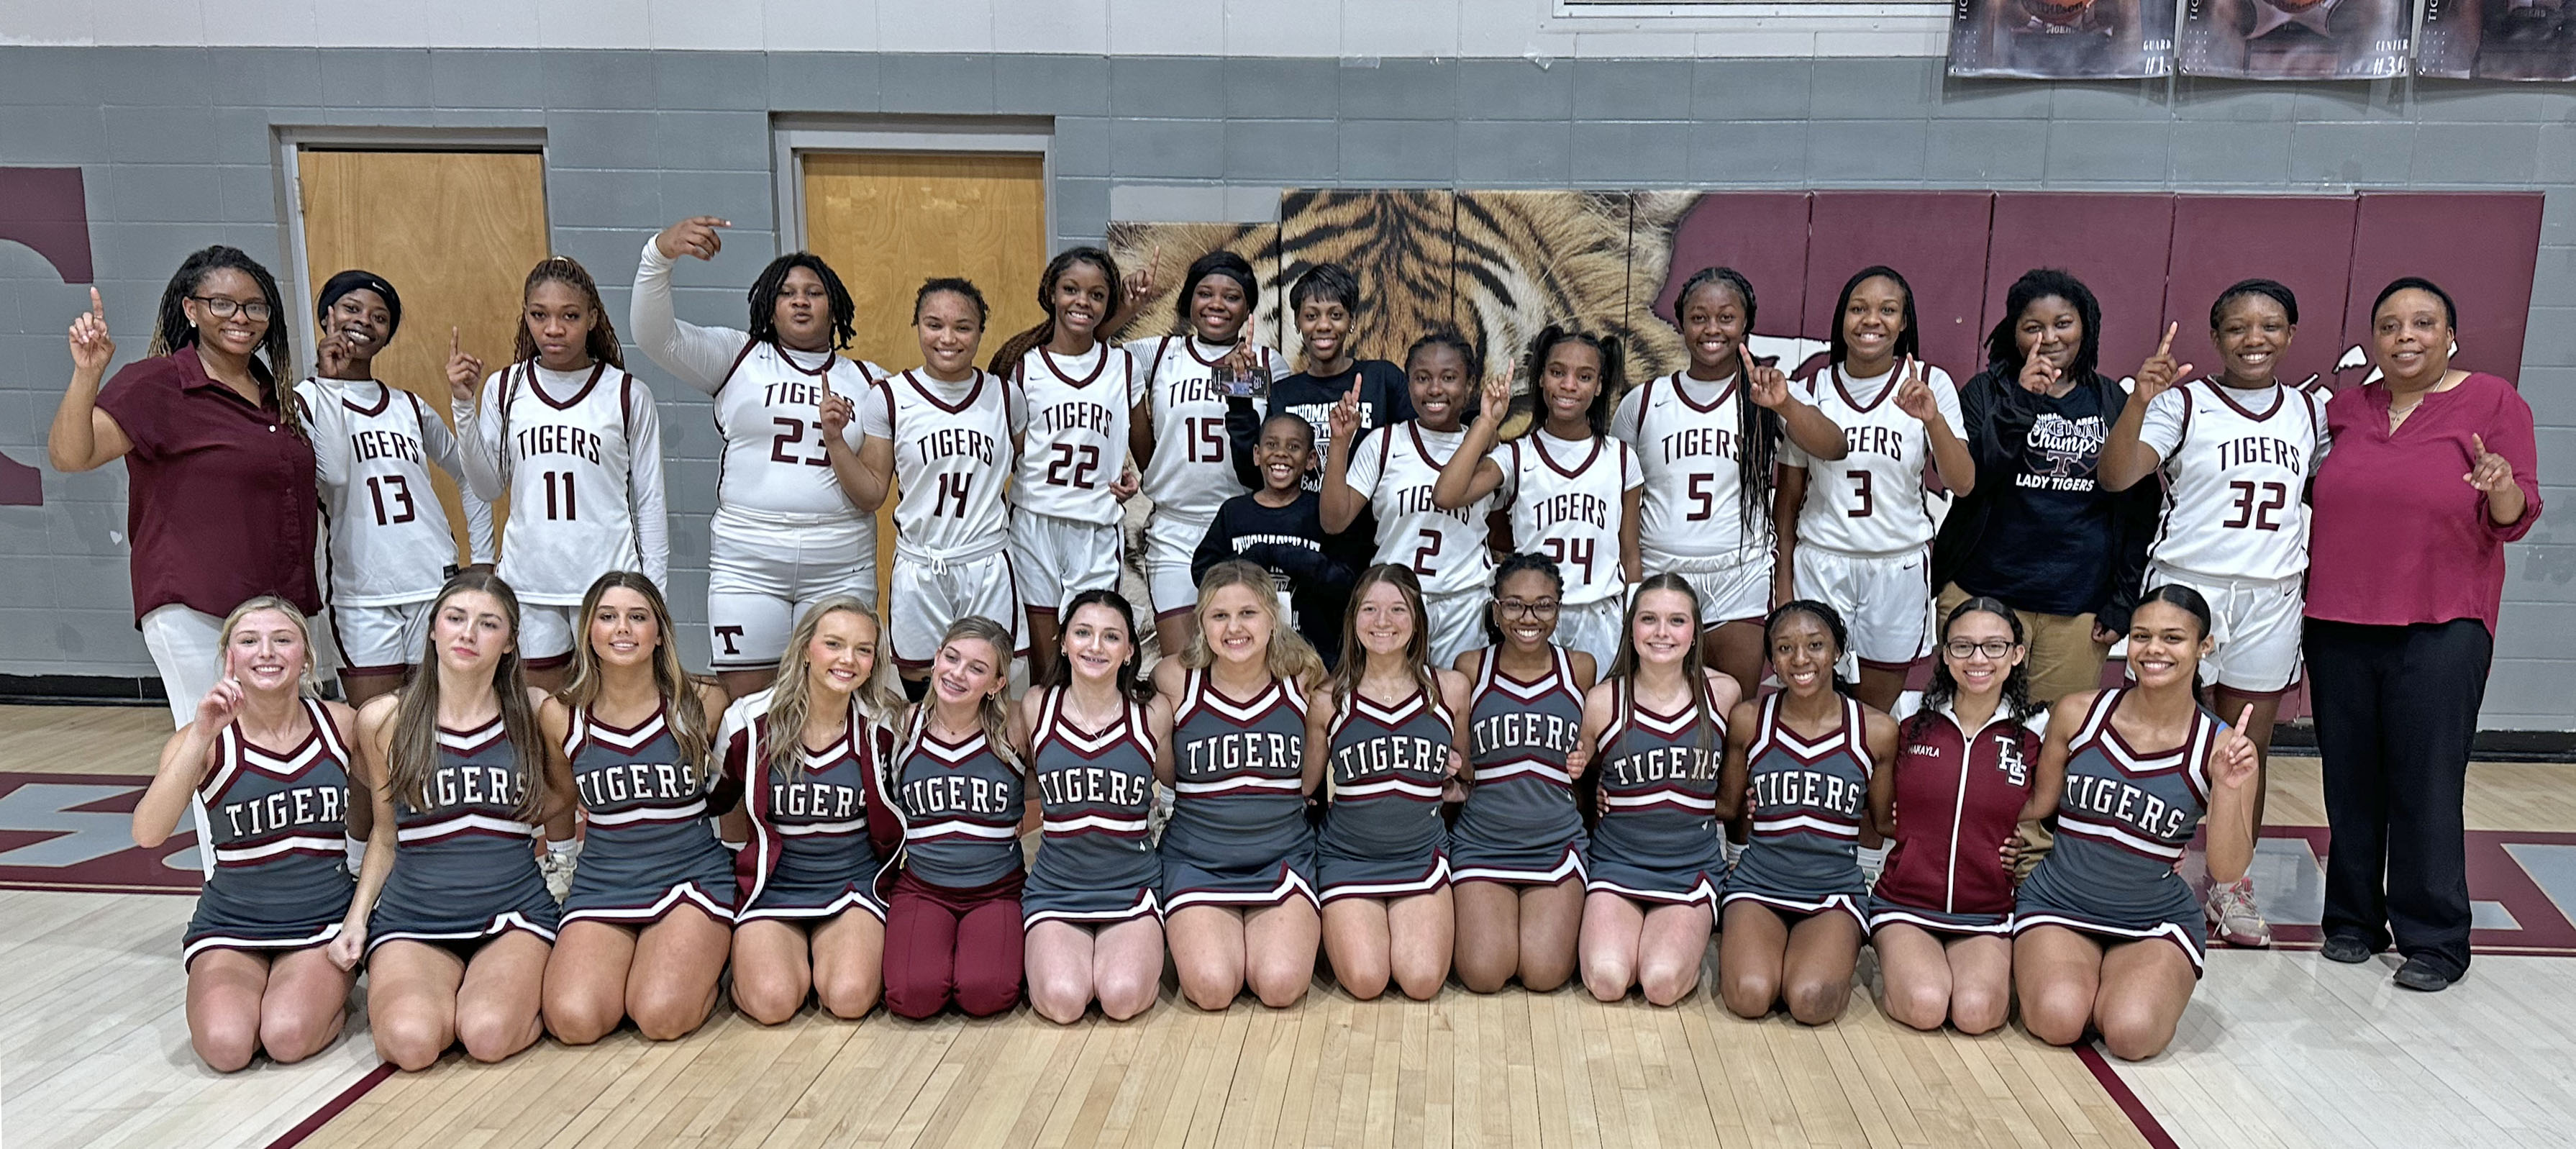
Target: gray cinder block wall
177	148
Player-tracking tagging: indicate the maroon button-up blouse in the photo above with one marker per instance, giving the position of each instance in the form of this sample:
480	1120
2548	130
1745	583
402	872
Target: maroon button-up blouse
220	499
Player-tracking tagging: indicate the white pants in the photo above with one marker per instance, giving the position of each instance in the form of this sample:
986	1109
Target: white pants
923	598
1885	601
2256	623
187	649
1170	542
1457	624
380	639
546	634
1593	628
761	578
1732	587
1055	559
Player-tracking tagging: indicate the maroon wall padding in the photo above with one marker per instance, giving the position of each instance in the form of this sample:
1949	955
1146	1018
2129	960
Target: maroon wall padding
2117	243
45	209
1763	235
2481	247
2303	241
1936	240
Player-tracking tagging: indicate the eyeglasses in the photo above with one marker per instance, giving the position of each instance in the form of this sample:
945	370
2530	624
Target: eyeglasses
1993	648
1518	608
222	308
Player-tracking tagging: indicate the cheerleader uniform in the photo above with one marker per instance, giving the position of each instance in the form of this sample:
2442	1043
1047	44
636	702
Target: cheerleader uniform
1958	799
651	842
2121	828
1658	840
274	823
464	873
1520	825
953	929
1238	835
1096	863
810	857
1808	798
1383	837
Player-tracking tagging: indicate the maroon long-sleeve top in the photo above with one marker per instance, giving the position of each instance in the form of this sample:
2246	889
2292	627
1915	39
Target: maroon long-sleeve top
2399	535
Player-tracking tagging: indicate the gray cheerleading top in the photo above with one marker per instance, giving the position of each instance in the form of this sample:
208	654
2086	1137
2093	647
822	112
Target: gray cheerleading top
2122	825
465	870
1096	863
1807	802
961	804
1383	837
651	842
1238	835
810	857
1520	824
275	823
1658	839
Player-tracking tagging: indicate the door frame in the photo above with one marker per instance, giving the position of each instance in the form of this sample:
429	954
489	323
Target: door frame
296	281
794	137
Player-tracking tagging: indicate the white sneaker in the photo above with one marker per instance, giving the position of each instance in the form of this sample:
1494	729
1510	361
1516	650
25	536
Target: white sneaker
2231	908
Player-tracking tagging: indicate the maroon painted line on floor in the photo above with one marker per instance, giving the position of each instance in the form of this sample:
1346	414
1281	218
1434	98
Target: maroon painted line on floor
315	1120
2148	1126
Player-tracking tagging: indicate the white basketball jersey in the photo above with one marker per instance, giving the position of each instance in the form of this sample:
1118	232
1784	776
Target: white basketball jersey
1071	414
1567	501
952	444
773	467
1684	433
374	447
1192	471
567	457
2236	467
1396	467
1872	500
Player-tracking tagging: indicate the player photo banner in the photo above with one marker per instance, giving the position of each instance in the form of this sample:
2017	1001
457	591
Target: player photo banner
2498	40
2295	39
2062	39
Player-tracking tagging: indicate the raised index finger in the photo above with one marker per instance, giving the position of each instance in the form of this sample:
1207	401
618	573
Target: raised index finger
455	342
2477	444
2165	347
97	308
2245	718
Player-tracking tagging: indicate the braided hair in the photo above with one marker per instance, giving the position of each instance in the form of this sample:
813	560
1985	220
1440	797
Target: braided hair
1613	365
601	344
1006	359
1757	428
274	358
773	279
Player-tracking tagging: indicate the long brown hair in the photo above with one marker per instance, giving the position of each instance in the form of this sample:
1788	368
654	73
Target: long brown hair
683	712
1694	668
790	697
1417	647
993	713
414	752
601	344
1289	658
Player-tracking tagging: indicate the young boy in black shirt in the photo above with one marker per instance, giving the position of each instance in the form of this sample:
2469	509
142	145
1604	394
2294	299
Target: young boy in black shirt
1281	527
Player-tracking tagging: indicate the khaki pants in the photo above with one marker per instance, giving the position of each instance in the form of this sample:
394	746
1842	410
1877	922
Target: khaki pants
2063	656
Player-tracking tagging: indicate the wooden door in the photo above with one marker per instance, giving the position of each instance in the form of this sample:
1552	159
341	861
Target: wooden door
454	232
888	220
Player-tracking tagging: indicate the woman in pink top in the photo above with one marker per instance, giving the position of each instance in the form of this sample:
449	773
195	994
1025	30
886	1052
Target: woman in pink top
2432	472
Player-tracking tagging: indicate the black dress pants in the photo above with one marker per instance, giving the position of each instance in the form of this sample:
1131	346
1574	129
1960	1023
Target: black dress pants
2396	711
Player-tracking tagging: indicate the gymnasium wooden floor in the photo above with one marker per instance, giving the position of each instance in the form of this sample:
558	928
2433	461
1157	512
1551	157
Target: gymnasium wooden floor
2280	1048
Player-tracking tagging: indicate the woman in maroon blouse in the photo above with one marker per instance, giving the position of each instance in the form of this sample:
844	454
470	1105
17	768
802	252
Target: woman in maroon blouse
220	499
2432	472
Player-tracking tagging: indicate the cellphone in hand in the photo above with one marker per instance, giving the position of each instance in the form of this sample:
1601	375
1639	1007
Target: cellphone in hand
1234	384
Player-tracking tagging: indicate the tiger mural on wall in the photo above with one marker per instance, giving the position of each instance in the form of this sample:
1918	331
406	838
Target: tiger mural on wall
1495	265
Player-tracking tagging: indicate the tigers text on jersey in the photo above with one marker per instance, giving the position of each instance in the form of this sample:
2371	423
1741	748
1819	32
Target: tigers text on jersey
1192	471
1071	413
1871	501
373	447
1395	467
2236	467
1684	433
580	455
773	464
1568	500
952	445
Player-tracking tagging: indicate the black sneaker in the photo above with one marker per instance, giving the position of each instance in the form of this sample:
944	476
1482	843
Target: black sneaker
2347	949
2425	974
